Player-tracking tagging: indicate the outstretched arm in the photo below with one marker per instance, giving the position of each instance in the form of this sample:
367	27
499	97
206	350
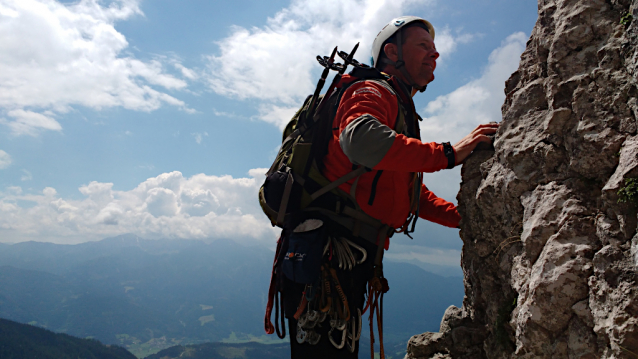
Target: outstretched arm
438	210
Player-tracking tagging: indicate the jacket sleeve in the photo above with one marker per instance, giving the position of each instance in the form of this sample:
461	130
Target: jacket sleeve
438	210
367	115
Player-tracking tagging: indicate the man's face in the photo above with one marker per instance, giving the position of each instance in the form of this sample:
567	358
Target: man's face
419	54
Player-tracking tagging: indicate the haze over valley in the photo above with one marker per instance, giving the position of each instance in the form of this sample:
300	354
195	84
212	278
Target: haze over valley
149	295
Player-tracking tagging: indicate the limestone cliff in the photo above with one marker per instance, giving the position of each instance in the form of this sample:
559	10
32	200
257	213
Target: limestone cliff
550	255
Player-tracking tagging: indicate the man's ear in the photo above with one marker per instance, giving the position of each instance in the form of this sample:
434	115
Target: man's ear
390	50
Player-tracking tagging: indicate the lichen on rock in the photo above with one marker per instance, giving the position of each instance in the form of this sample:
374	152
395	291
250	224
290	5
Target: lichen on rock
550	254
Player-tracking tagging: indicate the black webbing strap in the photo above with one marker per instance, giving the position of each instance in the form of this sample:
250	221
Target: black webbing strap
373	190
369	228
341	180
281	214
279	316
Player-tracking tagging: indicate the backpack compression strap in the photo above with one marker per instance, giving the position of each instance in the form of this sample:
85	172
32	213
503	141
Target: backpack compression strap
343	179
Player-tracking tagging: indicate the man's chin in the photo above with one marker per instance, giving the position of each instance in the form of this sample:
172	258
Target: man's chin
431	78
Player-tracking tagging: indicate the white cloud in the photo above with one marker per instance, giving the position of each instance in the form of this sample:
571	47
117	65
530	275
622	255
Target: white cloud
276	63
30	123
14	189
446	42
5	158
227	114
27	176
199	137
168	205
257	172
186	72
277	115
452	116
54	56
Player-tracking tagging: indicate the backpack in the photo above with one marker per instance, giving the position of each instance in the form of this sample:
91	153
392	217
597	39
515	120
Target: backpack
294	183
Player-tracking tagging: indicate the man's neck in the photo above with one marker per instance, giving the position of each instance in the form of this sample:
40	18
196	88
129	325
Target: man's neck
390	70
406	89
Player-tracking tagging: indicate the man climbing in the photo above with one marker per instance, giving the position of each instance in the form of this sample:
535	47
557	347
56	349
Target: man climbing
375	127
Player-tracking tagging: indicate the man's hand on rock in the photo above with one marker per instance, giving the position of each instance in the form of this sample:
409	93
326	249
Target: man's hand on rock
467	144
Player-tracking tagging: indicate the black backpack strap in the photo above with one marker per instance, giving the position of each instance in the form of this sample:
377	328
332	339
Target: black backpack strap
341	180
373	191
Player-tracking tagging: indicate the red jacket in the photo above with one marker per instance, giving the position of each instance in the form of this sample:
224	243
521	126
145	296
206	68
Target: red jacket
363	134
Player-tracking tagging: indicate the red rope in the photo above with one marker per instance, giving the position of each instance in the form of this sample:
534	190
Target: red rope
302	306
376	288
272	289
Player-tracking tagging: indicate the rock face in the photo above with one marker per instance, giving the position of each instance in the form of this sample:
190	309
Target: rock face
550	256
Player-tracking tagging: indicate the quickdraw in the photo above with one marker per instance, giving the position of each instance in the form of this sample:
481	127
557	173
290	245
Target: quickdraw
351	334
343	335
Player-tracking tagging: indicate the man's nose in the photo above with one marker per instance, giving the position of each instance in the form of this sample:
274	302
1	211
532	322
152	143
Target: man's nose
435	55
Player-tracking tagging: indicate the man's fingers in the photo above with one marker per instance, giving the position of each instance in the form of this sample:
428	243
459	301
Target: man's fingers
488	125
485	130
481	138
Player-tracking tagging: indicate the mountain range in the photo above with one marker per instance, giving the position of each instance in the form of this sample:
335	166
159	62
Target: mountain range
149	295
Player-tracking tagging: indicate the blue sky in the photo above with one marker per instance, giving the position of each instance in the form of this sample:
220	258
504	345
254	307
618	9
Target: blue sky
154	117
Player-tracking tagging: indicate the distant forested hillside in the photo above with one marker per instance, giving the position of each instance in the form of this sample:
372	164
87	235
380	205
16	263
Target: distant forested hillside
23	341
225	351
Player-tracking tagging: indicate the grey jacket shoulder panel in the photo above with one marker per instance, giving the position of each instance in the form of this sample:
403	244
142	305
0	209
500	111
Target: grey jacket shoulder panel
365	140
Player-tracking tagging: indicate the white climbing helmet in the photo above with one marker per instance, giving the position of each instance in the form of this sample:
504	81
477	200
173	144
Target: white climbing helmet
390	29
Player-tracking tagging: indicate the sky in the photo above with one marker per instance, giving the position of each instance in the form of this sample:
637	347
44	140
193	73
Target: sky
159	117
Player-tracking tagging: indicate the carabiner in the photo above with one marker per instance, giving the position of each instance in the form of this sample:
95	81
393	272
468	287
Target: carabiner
301	334
343	338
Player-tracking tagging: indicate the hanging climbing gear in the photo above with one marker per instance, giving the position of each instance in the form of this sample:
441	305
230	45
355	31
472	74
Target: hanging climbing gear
355	334
343	250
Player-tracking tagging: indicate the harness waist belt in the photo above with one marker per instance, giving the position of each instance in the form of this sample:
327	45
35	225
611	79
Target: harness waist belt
367	230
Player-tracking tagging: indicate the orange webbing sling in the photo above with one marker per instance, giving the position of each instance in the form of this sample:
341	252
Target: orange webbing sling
274	296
